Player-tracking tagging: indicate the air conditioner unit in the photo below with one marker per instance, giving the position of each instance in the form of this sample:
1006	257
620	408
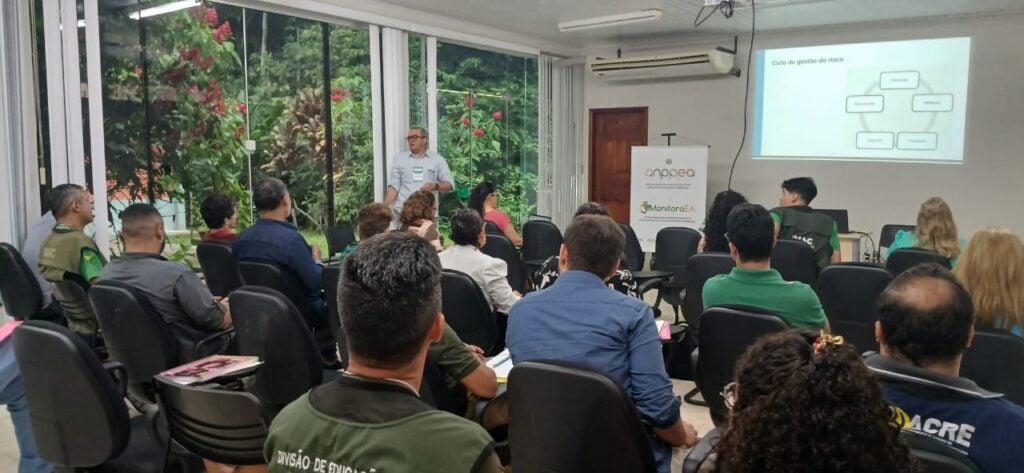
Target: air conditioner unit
718	61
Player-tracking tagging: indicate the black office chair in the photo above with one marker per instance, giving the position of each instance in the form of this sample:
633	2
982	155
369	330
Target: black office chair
498	246
19	289
935	456
434	391
849	293
219	267
673	247
726	332
541	239
76	404
905	258
329	280
224	426
569	418
889	232
467	312
700	268
269	326
795	261
283	280
492	228
996	362
634	252
339	237
73	295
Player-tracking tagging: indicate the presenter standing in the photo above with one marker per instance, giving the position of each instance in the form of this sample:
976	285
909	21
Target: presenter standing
416	169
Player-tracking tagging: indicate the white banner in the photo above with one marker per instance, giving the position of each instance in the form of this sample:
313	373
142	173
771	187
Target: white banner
668	188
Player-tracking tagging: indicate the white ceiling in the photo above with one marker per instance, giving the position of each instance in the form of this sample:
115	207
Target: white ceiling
539	18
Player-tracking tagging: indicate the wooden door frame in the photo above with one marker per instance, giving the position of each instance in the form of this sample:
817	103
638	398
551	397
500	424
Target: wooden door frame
590	141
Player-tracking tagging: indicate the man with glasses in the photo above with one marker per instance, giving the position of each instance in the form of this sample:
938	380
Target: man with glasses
416	169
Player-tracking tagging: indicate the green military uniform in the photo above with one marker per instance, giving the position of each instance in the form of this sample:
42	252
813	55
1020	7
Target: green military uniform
814	228
361	425
795	302
66	250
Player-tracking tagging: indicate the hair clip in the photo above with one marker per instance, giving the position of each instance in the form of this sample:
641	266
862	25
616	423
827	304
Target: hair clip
825	339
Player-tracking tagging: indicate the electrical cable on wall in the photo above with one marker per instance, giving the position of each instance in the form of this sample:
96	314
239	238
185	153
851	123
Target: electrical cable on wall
746	93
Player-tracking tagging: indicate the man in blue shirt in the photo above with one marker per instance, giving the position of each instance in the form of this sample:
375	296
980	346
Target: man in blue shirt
925	324
416	170
579	319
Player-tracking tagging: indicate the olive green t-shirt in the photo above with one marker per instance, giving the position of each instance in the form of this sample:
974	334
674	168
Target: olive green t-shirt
794	301
452	356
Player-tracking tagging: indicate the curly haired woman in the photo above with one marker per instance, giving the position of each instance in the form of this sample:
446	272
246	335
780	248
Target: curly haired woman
418	214
805	403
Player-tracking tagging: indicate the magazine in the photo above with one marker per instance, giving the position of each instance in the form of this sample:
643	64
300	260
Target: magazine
213	366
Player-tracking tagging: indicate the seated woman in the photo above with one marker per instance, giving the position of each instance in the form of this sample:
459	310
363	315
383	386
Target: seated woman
992	270
418	214
490	273
484	199
936	231
714	225
622	281
804	402
220	212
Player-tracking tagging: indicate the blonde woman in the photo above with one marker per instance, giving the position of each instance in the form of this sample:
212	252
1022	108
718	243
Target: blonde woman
936	231
992	270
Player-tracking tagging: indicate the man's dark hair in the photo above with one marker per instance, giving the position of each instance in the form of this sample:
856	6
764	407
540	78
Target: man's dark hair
139	220
751	229
592	208
268	193
63	196
374	218
466	227
595	244
934	331
804	186
388	296
216	209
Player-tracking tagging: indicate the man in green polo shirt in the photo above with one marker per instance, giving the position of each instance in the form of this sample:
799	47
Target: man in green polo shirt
795	219
752	235
371	418
67	249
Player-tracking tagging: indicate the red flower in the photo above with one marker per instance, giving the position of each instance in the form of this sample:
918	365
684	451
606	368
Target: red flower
211	17
479	132
338	93
219	108
222	32
205	62
189	54
465	121
239	132
469	100
138	72
241	107
498	115
174	75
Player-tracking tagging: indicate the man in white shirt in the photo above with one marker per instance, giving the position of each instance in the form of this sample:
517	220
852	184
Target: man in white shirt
416	169
491	274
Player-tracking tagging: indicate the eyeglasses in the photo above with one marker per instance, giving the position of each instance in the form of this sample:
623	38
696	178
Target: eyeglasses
414	137
729	394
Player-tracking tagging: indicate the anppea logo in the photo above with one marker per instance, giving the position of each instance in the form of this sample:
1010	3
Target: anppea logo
668	173
646	207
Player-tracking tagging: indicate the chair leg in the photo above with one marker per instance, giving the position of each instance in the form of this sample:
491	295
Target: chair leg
690	396
675	309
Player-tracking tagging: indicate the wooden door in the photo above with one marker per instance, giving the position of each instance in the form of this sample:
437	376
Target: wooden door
613	133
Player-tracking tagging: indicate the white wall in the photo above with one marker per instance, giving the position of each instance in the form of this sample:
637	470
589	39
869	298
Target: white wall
988	188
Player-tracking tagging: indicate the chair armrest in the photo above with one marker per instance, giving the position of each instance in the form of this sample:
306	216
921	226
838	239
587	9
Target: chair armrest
649	284
120	375
700	452
197	350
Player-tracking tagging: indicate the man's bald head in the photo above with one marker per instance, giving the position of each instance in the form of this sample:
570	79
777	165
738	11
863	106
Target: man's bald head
141	223
926	315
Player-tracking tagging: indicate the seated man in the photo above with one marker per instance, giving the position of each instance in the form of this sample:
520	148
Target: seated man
578	319
753	282
371	418
925	324
373	219
220	212
174	291
490	273
795	219
275	240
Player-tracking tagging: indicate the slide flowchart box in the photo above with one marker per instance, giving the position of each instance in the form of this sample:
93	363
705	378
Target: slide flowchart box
865	103
932	103
917	141
899	80
875	140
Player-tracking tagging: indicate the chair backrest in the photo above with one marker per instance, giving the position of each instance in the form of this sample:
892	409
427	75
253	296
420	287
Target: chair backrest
277	277
434	391
673	247
73	294
134	334
889	231
78	415
700	268
725	333
498	246
795	261
19	289
905	258
934	456
219	267
467	312
634	253
492	228
220	425
541	239
338	237
269	326
849	293
568	418
996	362
840	216
329	280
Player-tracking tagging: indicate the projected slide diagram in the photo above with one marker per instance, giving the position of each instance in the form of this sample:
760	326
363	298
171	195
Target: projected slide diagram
886	101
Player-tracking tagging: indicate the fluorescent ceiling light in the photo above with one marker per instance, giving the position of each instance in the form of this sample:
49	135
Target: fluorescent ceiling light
165	8
611	20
